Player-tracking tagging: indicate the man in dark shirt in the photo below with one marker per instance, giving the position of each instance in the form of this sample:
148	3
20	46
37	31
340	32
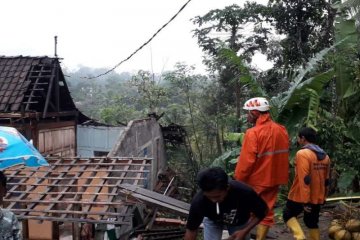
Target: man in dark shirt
9	225
222	203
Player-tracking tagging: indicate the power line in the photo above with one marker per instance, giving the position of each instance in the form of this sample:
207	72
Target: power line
146	43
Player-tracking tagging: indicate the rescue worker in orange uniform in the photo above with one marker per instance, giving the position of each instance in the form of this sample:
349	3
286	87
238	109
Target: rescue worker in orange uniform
310	186
264	158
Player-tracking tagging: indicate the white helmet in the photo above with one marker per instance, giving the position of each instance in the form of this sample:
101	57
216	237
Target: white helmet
258	103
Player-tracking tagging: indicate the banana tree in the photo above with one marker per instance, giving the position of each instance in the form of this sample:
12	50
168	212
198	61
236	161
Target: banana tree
307	100
354	5
296	105
293	108
342	125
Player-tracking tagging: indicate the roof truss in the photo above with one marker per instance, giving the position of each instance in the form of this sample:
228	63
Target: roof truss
75	189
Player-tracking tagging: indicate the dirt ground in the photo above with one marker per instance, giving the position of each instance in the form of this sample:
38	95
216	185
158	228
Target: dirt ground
281	232
278	231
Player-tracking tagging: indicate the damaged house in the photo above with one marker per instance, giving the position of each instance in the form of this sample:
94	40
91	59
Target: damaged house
35	99
91	165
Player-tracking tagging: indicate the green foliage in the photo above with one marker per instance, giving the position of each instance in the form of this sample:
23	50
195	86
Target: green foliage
354	9
242	72
117	112
108	99
232	20
343	150
151	94
300	104
346	179
320	83
323	92
295	106
289	107
234	137
307	26
314	102
187	83
227	160
345	55
347	68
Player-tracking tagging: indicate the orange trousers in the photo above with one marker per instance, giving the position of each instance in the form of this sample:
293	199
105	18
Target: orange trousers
269	195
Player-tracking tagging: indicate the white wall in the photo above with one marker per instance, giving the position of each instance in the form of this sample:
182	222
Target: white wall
96	138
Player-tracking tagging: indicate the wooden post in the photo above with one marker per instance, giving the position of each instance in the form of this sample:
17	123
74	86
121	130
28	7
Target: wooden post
55	230
75	231
25	229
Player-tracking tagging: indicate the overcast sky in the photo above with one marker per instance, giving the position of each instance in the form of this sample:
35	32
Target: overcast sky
99	34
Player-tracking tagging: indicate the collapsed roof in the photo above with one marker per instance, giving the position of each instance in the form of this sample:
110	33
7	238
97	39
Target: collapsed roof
34	87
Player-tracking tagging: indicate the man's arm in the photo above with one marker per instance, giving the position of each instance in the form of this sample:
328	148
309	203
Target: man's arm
247	157
190	234
195	218
303	173
328	179
240	234
259	210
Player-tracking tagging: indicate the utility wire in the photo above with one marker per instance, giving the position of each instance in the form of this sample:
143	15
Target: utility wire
146	43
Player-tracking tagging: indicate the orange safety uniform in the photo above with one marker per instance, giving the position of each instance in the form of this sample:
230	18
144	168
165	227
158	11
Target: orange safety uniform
312	174
264	157
264	161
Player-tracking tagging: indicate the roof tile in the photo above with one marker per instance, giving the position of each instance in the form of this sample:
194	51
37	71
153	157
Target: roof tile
15	82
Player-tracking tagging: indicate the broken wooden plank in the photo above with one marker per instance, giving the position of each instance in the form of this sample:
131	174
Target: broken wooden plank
73	212
156	199
99	203
169	221
58	219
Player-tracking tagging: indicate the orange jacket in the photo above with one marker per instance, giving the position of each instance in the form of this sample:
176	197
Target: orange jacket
311	177
264	156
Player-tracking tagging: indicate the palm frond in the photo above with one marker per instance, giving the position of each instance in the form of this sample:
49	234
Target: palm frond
243	73
354	6
293	107
314	102
286	100
345	29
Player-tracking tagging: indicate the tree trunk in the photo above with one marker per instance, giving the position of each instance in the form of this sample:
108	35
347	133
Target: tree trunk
237	104
218	141
197	144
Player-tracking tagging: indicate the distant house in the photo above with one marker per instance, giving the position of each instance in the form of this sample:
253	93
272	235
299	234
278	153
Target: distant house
35	99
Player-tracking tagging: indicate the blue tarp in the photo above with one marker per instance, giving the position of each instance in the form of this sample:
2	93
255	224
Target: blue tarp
15	149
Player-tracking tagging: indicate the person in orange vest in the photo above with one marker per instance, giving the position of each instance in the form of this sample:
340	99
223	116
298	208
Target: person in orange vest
264	158
309	189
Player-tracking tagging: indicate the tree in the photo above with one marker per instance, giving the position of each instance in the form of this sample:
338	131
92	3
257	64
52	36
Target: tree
151	94
309	100
229	27
117	111
307	26
89	97
183	79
